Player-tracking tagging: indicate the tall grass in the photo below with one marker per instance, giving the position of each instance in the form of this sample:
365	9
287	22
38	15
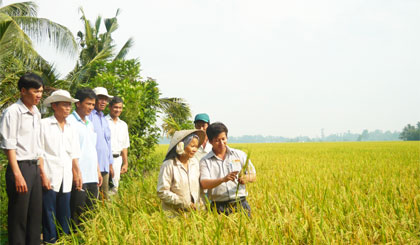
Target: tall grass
305	193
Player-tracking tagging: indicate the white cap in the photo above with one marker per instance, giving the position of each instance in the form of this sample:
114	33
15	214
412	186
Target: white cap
102	91
59	96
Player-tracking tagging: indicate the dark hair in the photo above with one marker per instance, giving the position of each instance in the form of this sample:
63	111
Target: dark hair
84	93
115	100
30	80
215	129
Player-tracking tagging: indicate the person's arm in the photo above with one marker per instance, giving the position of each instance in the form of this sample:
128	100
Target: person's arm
75	155
99	177
20	182
124	156
124	152
108	144
44	179
77	175
250	175
247	178
164	188
8	133
211	183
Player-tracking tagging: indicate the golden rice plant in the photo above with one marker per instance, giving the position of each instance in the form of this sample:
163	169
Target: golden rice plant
305	193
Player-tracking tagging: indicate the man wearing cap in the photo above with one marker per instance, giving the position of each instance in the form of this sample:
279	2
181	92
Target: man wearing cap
103	133
88	162
19	133
202	121
60	143
119	140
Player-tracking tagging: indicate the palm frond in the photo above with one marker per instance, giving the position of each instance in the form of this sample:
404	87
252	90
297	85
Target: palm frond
20	9
41	28
124	50
88	27
15	43
176	107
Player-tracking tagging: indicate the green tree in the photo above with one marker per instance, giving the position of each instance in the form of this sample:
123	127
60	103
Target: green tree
141	103
176	115
96	47
18	27
410	132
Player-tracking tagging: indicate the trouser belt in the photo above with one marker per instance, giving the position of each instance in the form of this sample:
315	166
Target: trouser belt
28	161
116	155
240	199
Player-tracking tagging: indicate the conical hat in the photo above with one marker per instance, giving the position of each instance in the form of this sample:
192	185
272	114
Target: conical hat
180	135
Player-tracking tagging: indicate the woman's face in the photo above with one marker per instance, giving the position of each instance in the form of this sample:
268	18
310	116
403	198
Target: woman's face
191	148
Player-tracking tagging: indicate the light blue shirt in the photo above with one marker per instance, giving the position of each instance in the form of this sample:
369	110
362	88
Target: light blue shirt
88	161
103	140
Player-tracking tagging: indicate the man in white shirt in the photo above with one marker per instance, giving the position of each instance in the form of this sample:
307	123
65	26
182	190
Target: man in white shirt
19	135
119	140
219	172
202	121
61	150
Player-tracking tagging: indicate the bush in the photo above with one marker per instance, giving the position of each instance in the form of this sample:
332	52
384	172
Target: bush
141	101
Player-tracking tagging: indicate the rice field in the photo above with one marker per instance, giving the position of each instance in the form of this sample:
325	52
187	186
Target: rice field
305	193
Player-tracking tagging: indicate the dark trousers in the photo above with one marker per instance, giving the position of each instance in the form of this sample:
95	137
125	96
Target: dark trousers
228	206
55	209
82	200
25	210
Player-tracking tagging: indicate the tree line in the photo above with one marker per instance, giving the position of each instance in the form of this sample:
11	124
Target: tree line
99	63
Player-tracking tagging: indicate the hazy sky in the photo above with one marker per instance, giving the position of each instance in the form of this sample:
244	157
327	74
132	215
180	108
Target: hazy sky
281	68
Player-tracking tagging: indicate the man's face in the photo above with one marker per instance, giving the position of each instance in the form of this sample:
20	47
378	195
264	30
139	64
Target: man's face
32	95
101	103
85	107
201	125
61	109
219	142
116	109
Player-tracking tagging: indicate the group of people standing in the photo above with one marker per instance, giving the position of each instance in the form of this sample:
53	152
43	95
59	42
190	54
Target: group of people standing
58	166
200	168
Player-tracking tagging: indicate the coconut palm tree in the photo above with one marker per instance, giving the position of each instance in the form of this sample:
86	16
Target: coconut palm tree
96	46
176	115
18	27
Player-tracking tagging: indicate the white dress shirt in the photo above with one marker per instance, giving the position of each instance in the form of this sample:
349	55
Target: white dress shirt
212	167
178	187
119	135
19	130
60	147
202	151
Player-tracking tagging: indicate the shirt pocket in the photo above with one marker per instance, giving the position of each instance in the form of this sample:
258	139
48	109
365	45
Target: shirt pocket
236	165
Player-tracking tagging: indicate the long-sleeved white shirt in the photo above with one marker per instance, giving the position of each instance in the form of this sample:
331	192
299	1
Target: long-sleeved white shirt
178	187
60	147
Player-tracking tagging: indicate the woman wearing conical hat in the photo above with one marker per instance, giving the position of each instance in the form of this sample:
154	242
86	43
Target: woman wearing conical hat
179	178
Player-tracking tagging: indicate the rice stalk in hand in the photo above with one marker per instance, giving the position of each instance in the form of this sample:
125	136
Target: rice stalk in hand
243	171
